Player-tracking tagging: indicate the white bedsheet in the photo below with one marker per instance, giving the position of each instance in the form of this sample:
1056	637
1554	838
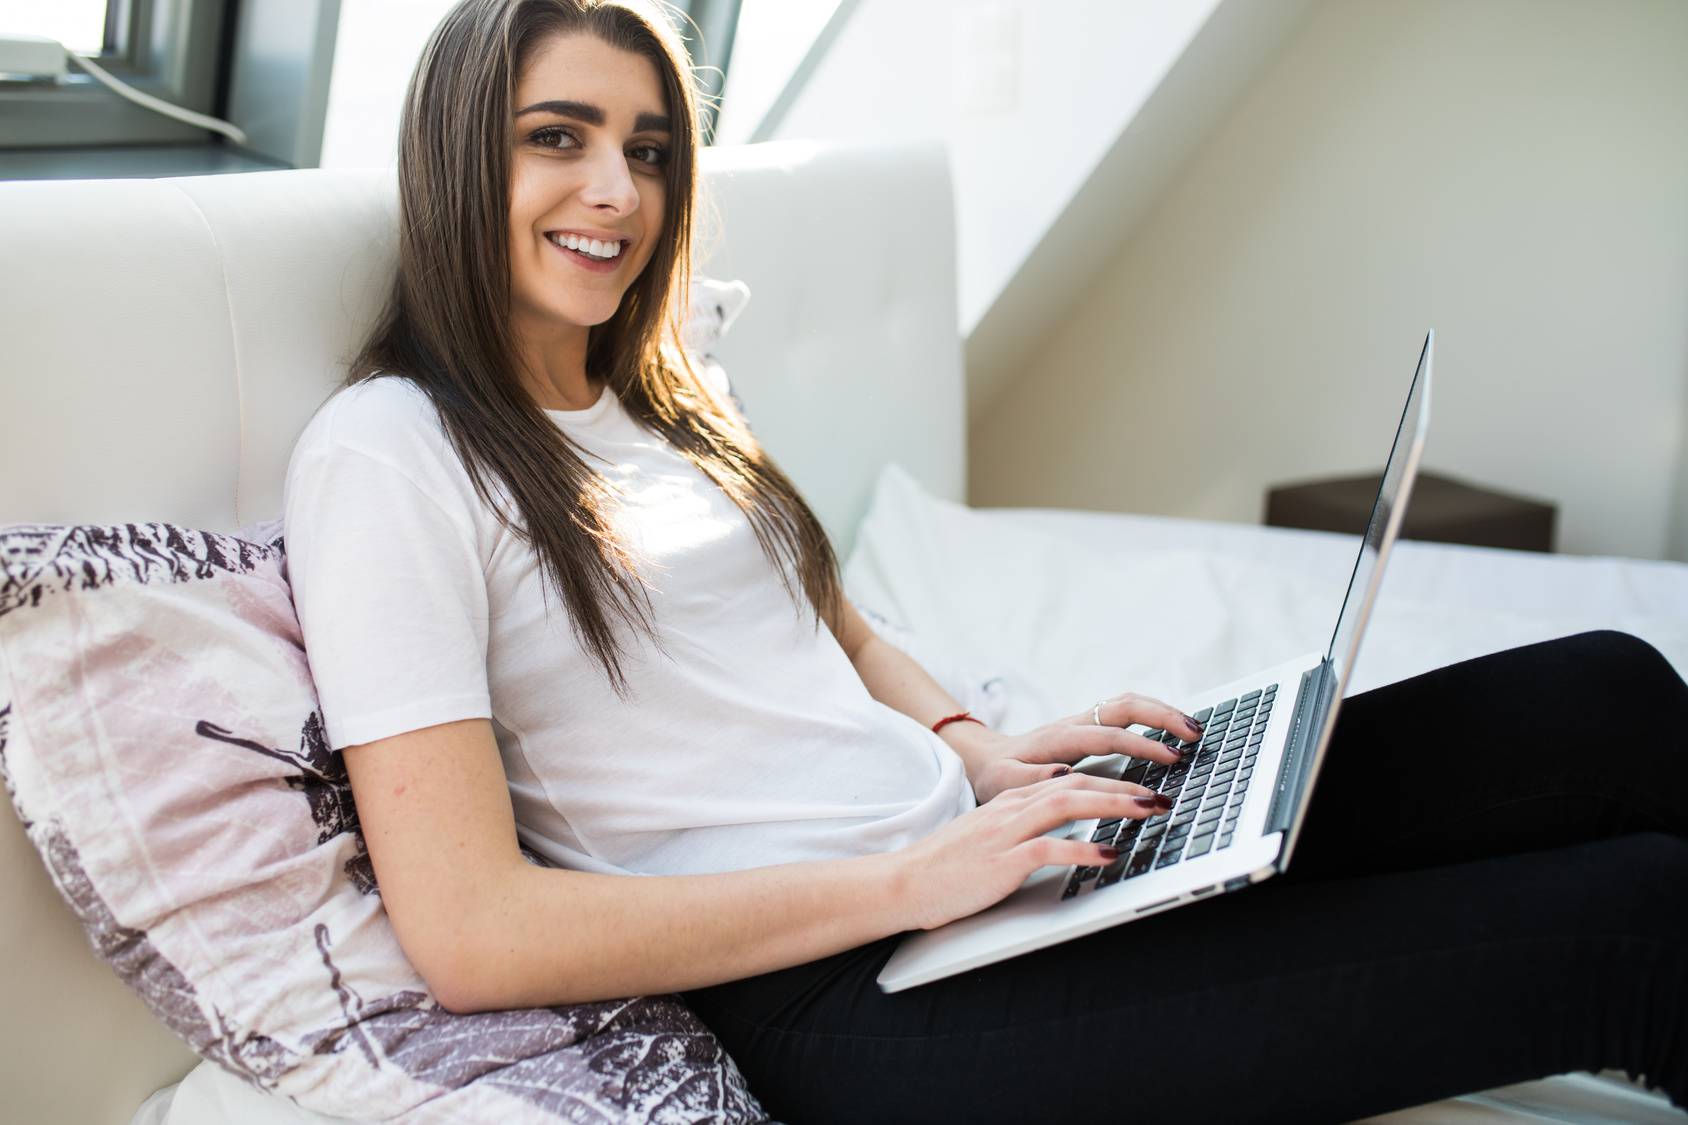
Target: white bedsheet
1069	607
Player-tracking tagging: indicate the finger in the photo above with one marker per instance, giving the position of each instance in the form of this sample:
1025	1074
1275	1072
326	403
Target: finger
1017	777
1058	805
1103	740
1125	710
1075	780
1041	851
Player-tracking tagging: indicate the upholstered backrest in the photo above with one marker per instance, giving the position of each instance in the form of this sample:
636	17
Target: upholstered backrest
163	342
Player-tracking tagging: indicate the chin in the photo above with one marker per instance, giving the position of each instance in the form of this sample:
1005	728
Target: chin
577	315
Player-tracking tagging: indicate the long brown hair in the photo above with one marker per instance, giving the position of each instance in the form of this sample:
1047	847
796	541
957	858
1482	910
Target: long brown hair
447	323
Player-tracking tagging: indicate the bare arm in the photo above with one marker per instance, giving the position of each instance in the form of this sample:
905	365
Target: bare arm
488	930
898	681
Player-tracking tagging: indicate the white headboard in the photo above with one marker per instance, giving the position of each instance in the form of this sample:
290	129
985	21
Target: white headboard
164	341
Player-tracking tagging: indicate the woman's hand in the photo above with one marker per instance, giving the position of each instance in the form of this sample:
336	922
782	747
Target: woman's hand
981	856
1010	761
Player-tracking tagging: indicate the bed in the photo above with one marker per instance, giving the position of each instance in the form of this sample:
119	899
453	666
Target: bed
1029	613
239	297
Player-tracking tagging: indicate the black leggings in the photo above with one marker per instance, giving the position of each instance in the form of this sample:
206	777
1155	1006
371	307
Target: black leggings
1491	886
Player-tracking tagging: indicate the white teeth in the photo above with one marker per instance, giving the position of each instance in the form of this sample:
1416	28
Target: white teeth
592	246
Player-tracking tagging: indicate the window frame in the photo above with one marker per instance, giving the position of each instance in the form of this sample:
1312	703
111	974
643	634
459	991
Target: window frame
716	22
171	49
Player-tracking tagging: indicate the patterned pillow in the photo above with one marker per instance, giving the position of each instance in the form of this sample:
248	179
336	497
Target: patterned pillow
160	739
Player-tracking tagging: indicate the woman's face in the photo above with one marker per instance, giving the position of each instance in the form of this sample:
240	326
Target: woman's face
592	144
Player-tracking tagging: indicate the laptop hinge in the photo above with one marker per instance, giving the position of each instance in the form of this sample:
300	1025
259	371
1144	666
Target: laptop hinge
1313	698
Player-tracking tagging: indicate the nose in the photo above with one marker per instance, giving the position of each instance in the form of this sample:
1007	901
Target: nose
609	184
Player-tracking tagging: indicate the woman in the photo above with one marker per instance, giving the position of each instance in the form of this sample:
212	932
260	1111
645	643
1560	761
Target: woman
1483	892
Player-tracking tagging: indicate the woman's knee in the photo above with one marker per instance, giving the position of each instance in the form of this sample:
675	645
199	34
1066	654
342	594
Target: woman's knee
1626	661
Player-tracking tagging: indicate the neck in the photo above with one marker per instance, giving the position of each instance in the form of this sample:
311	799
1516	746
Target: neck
552	366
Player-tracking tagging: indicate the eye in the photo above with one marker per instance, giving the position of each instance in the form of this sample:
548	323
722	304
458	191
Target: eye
551	137
655	155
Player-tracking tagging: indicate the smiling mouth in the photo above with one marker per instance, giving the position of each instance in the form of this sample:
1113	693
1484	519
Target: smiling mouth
591	249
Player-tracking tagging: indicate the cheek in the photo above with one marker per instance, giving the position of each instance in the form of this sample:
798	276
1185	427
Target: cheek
653	201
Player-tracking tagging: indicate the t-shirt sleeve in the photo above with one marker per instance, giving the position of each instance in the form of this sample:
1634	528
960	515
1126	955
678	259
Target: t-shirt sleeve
391	596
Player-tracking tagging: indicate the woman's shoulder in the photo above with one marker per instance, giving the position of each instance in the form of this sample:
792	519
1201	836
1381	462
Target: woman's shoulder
387	417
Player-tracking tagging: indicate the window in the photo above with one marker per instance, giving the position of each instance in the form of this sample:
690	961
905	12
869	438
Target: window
78	24
709	29
172	49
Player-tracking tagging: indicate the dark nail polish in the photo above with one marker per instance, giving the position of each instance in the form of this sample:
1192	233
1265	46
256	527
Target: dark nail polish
1162	800
1195	726
1149	801
1177	754
1062	771
1109	851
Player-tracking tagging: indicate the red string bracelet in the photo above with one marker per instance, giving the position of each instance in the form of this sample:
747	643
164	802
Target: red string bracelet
939	725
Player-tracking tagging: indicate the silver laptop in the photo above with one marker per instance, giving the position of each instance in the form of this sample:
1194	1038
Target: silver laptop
1240	792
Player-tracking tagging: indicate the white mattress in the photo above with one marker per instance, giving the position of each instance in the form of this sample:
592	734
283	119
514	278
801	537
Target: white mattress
1066	607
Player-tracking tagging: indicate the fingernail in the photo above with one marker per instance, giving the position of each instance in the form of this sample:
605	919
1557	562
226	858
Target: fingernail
1149	801
1163	801
1108	851
1177	754
1195	726
1061	771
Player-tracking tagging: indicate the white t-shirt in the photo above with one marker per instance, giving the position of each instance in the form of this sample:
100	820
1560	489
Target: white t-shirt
756	744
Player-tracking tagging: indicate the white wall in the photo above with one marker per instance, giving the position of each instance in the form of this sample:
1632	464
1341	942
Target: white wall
769	44
1511	172
1028	95
377	47
1679	529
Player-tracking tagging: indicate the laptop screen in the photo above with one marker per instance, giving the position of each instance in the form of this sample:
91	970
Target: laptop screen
1412	422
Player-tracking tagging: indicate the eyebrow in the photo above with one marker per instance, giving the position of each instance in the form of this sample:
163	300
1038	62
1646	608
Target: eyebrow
592	115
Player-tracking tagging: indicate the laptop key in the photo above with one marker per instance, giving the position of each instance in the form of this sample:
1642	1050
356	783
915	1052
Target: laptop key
1141	861
1250	697
1200	846
1203	715
1111	873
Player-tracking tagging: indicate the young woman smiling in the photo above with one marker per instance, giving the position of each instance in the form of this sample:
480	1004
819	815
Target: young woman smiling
1489	887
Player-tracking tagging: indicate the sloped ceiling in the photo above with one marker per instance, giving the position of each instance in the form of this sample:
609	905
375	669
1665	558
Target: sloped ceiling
1222	58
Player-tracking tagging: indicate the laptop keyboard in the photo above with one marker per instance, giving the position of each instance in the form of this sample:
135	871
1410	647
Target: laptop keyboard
1207	788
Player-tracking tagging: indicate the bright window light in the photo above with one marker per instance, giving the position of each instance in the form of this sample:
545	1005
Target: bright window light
78	24
772	38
